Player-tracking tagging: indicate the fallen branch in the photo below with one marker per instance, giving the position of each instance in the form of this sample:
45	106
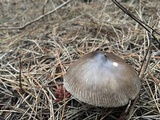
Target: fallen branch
35	20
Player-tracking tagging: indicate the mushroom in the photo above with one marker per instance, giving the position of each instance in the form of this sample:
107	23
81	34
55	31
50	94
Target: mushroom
103	80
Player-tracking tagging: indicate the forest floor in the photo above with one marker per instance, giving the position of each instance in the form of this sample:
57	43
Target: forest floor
39	39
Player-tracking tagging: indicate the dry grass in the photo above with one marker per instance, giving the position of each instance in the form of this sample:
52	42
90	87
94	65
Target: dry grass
49	46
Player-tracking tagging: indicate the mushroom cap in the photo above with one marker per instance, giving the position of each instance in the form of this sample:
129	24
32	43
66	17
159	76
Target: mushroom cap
103	80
